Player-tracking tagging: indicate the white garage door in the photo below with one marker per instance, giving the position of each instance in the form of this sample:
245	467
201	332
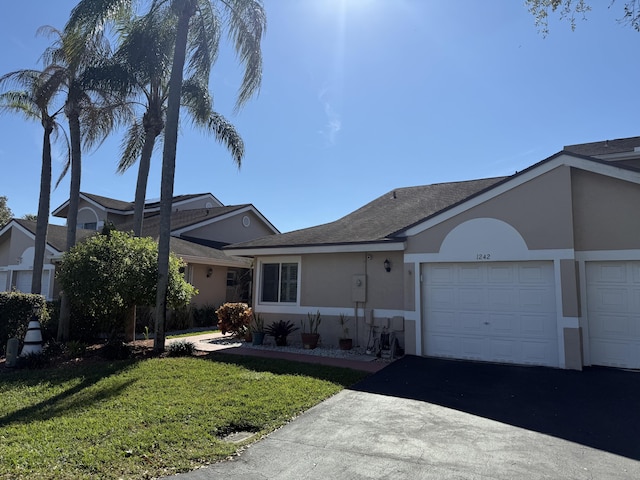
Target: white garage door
499	312
613	310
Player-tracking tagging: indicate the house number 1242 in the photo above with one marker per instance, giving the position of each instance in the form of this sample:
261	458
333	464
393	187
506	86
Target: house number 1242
483	256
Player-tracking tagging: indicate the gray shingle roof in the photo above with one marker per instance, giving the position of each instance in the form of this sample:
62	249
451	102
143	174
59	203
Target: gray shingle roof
181	219
381	219
620	145
185	248
56	234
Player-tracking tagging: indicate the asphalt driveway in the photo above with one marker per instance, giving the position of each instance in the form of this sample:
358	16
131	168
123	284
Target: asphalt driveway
423	418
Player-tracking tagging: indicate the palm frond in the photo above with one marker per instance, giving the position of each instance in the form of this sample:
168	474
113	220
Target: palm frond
247	23
131	146
225	133
197	100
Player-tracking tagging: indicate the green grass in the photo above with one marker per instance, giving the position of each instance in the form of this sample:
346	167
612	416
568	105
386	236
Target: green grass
192	333
148	418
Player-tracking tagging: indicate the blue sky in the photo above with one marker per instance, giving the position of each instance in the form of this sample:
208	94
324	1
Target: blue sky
363	96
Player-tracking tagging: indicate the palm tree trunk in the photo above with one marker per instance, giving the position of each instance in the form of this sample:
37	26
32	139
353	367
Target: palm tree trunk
43	210
64	324
141	186
168	169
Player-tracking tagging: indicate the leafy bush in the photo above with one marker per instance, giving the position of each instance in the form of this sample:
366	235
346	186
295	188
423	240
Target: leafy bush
234	318
75	349
16	310
204	316
181	349
106	275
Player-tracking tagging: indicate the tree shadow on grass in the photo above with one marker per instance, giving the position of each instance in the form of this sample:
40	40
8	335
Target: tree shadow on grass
597	407
342	376
71	399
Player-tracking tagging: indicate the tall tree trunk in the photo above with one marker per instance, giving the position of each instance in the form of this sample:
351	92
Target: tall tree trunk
64	324
141	186
168	168
43	209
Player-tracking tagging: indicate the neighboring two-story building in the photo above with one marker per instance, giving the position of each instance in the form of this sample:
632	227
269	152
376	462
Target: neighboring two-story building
201	226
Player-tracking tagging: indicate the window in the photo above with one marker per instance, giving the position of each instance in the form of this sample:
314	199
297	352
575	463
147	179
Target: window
279	282
88	226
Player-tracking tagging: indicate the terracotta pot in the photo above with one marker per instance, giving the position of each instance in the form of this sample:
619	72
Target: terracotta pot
310	340
345	343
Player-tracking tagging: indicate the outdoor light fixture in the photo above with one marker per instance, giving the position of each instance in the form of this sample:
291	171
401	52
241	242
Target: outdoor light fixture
387	265
209	272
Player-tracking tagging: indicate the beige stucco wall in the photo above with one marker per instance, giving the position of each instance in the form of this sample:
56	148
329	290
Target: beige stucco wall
605	212
326	279
540	210
14	247
213	289
569	281
231	230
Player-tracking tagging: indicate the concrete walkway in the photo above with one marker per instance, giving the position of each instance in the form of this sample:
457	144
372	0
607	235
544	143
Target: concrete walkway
422	418
217	342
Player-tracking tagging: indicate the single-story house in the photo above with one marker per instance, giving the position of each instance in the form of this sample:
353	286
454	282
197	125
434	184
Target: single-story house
200	226
538	268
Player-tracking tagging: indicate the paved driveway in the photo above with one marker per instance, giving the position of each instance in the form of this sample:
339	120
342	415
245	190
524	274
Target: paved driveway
424	418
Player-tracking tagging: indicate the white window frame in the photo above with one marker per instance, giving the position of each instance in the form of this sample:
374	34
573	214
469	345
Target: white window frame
280	261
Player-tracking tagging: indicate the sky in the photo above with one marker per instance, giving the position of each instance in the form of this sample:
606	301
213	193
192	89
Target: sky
360	97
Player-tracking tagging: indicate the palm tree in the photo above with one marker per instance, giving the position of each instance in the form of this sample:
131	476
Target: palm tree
145	53
201	21
91	110
39	89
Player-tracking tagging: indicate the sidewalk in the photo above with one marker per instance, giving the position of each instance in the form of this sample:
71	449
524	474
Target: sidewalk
217	342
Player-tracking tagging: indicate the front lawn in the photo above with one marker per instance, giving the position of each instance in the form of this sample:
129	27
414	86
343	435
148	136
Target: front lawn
148	418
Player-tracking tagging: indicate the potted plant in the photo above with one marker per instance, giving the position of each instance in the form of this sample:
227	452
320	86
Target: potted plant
310	338
257	329
345	342
280	330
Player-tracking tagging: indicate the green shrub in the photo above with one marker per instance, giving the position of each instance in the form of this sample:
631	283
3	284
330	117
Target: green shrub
205	316
16	310
181	349
75	349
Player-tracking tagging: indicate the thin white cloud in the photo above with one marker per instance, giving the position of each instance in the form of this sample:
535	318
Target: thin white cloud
333	123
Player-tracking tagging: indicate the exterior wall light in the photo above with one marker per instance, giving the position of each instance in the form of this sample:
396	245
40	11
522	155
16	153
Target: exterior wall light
387	265
209	272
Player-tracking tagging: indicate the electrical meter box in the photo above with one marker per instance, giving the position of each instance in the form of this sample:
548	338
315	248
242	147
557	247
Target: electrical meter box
359	288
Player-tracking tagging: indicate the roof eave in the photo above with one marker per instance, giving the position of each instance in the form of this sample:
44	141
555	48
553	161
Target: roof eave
389	245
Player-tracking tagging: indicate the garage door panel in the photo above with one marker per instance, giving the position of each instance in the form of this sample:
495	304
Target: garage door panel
471	274
471	322
533	275
536	353
444	321
538	326
502	312
536	299
613	326
503	350
500	274
471	298
442	297
501	298
503	324
608	299
472	348
442	275
613	313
